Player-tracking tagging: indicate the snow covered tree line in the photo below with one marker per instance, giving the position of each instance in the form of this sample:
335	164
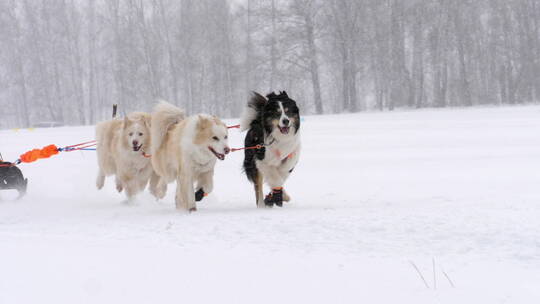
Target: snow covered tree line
70	60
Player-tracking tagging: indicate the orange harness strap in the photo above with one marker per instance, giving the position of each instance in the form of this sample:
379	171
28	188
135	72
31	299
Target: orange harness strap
278	154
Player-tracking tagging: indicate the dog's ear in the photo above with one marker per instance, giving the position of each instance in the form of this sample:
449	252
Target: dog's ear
127	122
218	121
284	93
147	119
271	95
203	129
203	123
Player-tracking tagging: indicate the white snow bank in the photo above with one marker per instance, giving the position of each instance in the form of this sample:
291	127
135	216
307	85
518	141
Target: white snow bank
373	193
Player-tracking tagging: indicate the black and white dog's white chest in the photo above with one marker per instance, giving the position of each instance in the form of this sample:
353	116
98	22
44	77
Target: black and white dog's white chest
282	153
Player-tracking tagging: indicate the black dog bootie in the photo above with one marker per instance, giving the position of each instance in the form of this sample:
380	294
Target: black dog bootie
274	197
199	195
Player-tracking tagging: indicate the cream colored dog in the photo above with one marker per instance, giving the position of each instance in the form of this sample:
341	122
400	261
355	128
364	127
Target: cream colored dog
185	150
121	146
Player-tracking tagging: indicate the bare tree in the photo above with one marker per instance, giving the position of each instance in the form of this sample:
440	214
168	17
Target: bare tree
68	60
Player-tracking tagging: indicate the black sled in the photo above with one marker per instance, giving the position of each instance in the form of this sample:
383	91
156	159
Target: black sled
11	178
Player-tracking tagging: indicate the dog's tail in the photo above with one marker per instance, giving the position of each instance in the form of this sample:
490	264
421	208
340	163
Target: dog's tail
164	116
104	132
251	120
253	111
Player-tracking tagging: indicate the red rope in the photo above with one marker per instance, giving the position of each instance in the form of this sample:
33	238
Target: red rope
247	148
51	150
244	148
81	144
48	151
79	147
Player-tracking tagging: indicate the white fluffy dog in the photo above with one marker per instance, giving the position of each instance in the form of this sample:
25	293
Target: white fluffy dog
121	146
185	150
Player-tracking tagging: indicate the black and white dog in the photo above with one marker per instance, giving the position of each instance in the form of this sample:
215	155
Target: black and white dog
273	123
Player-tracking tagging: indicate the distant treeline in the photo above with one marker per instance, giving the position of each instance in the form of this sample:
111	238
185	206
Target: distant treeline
69	61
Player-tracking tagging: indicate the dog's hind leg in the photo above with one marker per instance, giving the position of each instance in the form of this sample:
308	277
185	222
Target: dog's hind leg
178	197
286	197
162	187
119	185
185	196
100	181
258	186
158	187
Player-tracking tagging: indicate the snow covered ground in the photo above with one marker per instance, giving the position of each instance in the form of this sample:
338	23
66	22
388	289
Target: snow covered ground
374	194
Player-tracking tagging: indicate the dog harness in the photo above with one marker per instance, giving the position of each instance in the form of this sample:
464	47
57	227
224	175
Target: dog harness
278	154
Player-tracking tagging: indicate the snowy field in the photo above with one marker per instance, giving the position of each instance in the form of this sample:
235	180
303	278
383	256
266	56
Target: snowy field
374	193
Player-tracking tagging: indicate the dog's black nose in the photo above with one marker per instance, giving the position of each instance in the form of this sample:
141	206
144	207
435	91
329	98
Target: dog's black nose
227	150
285	122
135	143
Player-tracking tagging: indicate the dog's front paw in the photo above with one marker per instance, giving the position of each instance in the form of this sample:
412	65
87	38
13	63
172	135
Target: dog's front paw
160	194
274	198
199	195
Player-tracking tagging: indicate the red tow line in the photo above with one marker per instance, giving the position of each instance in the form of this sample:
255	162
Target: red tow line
50	150
247	148
232	150
80	146
244	148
